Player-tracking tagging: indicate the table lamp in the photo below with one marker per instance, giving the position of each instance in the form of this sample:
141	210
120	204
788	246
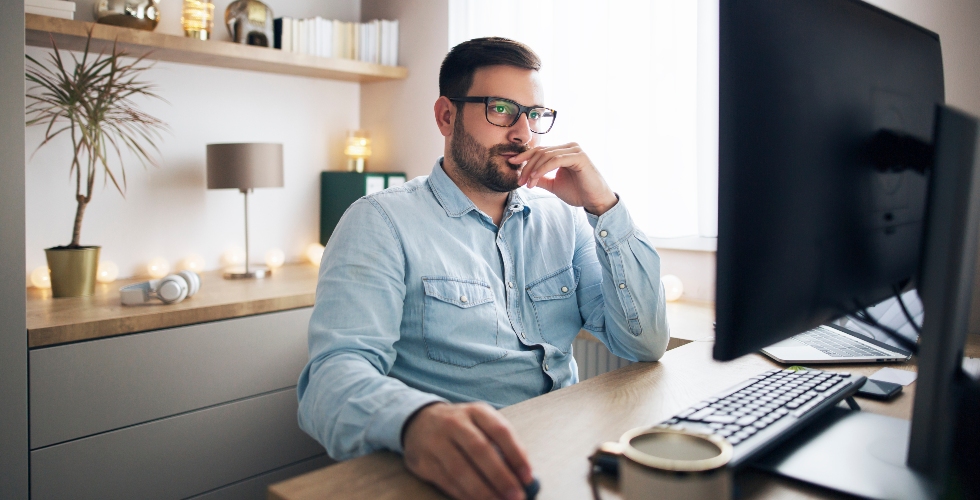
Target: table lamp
357	148
245	166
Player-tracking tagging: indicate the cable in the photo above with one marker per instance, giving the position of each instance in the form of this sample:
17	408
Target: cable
908	316
865	317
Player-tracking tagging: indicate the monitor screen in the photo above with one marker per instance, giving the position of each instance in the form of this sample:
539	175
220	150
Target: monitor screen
808	228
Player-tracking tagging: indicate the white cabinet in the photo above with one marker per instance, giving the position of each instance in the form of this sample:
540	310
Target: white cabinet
171	413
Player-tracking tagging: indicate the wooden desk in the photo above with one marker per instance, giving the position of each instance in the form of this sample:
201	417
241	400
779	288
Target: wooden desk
562	428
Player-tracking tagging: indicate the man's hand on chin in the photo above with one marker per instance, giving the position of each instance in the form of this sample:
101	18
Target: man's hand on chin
468	450
576	182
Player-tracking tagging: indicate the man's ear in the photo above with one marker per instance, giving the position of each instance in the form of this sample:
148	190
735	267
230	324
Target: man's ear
445	113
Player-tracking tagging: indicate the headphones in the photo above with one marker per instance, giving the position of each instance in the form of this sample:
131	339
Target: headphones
169	289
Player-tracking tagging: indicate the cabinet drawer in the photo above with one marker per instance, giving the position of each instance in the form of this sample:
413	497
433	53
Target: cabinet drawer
77	390
256	488
178	456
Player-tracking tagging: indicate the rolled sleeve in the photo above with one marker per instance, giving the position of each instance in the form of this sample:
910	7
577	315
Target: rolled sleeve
631	317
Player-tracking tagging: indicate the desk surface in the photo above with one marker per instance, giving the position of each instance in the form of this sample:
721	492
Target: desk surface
57	321
562	428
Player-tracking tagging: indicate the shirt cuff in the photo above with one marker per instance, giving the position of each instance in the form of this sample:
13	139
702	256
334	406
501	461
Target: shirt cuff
613	226
387	430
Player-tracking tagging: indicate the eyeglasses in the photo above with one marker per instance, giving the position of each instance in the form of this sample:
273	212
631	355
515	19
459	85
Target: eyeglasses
505	113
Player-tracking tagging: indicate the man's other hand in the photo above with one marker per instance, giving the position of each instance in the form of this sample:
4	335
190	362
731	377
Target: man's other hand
468	450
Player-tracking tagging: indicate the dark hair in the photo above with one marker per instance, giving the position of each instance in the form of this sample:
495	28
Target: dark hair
456	73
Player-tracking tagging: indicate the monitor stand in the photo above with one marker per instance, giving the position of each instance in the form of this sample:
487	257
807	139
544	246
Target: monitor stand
855	452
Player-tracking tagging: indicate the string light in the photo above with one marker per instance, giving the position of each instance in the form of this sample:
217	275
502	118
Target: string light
41	277
314	253
275	258
192	262
158	268
108	272
673	287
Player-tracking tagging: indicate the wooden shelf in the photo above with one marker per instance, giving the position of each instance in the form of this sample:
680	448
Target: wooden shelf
59	321
71	35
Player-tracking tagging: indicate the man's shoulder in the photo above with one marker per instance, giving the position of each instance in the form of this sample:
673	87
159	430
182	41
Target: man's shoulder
409	192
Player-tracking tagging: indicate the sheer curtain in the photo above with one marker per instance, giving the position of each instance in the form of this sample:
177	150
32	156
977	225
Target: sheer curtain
623	76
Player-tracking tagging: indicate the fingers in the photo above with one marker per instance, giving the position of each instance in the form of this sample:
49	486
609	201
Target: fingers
502	435
540	161
484	458
468	450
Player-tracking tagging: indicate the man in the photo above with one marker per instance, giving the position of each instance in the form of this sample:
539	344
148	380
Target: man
464	288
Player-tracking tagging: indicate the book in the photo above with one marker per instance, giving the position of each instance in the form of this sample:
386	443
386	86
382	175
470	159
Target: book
277	33
51	4
43	11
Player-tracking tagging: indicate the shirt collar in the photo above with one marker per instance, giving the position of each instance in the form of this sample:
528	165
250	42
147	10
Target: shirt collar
455	203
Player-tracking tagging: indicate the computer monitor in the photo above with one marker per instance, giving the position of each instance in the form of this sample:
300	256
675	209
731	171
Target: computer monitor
808	229
816	219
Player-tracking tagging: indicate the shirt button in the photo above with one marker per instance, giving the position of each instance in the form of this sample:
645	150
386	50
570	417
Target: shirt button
603	233
510	284
546	367
522	336
564	289
621	285
464	300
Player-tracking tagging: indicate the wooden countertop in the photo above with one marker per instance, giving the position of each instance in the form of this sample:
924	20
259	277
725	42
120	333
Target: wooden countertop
561	429
53	321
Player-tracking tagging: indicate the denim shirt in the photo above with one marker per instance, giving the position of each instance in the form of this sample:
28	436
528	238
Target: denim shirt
421	298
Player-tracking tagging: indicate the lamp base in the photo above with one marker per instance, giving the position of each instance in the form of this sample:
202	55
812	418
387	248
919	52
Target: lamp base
253	273
355	165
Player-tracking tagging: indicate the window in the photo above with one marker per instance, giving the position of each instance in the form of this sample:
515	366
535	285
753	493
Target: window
632	88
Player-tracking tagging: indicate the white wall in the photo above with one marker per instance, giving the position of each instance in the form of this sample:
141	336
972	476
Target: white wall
399	113
168	212
958	24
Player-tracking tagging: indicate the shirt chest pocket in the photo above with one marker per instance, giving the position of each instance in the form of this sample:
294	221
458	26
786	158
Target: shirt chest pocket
459	321
555	305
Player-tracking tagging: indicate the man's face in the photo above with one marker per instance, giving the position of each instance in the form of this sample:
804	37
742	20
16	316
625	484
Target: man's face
480	149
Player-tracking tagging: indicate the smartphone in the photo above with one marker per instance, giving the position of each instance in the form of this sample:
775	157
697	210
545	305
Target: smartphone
876	389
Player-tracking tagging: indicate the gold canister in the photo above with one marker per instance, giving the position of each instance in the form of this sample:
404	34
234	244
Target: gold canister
73	270
197	18
138	14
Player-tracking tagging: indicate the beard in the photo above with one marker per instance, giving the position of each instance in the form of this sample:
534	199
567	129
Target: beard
478	164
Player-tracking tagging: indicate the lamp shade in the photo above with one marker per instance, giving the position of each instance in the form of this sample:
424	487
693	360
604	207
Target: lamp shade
244	166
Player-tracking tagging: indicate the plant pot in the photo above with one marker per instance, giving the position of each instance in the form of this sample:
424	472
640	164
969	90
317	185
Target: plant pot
73	270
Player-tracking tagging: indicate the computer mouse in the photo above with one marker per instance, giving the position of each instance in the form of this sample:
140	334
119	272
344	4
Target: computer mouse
531	489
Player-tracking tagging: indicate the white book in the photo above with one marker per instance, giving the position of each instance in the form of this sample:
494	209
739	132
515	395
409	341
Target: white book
394	43
286	37
295	44
304	40
383	46
311	36
317	43
51	4
338	38
377	42
327	38
42	11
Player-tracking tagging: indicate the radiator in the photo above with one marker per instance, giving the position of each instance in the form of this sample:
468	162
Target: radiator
594	359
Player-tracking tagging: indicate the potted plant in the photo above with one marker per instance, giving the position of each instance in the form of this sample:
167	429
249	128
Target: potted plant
90	100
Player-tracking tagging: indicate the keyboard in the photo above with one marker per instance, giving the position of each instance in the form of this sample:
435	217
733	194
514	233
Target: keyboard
762	411
836	344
